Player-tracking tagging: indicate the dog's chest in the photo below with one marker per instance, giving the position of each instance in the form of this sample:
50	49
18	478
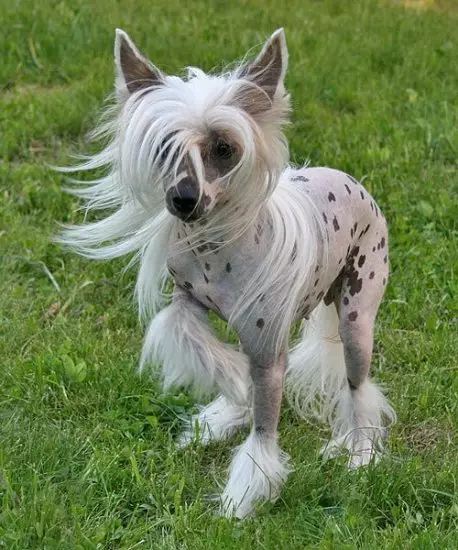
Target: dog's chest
216	277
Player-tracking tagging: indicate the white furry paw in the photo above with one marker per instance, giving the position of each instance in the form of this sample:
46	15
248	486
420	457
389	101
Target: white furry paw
363	445
217	421
257	473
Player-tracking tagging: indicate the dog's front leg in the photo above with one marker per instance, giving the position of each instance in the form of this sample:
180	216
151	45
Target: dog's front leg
259	467
181	339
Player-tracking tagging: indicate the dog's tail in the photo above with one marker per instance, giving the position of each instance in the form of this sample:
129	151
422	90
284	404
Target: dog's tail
316	374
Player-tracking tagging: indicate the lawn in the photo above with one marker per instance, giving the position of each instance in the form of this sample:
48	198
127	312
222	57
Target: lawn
87	455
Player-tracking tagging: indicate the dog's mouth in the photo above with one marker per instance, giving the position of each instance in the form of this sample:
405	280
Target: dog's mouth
192	216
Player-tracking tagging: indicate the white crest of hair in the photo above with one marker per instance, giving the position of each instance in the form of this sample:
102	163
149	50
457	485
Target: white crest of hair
181	335
257	473
316	386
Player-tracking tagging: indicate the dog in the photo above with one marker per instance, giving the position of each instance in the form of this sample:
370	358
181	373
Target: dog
197	177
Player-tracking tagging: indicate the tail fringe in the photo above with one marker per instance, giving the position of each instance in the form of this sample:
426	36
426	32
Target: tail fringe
316	372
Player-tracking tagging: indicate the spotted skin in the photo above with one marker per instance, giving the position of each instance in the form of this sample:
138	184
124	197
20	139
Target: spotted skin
354	278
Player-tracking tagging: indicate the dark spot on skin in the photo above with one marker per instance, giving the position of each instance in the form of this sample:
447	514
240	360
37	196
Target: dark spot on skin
299	178
351	233
335	223
207	266
228	267
307	297
262	297
340	261
346	301
294	252
348	189
382	242
260	323
325	218
351	385
351	178
256	239
371	275
373	249
361	260
179	235
205	278
353	315
384	281
260	429
367	228
202	248
335	289
317	268
259	229
355	227
305	312
331	197
361	234
188	285
316	282
362	195
385	259
320	295
378	246
354	283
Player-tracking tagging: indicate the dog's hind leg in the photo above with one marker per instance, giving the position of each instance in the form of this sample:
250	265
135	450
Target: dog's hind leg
180	338
328	373
362	411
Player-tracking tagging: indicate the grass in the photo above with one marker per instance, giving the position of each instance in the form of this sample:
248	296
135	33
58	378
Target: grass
87	458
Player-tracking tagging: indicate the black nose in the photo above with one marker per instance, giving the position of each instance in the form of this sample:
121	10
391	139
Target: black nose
184	196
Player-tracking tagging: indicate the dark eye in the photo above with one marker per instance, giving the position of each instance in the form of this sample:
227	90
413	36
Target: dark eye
223	149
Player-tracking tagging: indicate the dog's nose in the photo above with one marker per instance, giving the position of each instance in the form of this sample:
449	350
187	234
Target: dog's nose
184	196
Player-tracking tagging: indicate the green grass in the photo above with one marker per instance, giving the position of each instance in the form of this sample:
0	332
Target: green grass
87	458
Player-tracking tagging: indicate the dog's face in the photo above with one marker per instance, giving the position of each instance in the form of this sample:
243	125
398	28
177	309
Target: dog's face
210	142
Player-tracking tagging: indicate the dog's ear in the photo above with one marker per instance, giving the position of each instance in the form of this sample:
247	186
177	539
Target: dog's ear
268	70
133	70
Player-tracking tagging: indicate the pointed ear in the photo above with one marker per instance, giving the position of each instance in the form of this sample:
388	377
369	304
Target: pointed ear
133	70
269	68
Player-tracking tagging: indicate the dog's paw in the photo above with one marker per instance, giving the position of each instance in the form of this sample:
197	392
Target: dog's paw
362	446
215	422
257	473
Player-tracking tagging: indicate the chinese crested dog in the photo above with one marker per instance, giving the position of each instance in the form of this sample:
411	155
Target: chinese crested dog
198	180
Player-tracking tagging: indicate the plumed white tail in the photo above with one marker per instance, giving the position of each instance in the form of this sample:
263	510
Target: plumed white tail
316	372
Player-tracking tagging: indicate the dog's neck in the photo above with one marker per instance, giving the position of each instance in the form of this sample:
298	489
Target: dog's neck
197	234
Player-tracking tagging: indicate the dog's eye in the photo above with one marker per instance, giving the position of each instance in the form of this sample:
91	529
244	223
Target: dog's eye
223	150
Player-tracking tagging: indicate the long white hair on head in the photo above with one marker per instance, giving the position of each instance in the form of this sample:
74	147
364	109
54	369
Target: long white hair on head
153	125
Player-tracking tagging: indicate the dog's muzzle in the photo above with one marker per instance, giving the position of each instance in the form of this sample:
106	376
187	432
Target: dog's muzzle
183	200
